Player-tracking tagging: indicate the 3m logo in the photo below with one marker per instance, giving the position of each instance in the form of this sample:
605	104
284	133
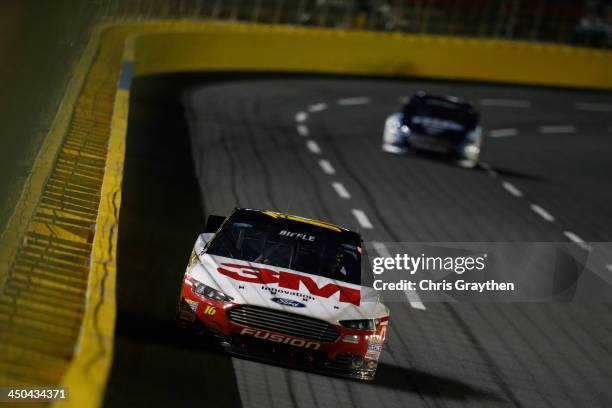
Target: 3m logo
289	280
210	310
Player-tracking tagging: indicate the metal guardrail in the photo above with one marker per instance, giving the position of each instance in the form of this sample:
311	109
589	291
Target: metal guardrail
585	22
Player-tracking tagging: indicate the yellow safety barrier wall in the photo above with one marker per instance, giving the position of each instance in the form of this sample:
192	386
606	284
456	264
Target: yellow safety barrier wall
57	253
57	270
279	48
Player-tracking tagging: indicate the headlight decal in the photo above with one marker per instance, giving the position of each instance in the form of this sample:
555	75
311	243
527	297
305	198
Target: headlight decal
211	293
361	324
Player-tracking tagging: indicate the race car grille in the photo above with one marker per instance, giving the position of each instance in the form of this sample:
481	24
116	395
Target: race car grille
440	144
283	323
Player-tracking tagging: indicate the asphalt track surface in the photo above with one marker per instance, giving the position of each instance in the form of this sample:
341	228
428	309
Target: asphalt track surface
257	142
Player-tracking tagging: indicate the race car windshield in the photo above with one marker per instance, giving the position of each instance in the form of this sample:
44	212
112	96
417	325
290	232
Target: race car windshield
285	246
442	110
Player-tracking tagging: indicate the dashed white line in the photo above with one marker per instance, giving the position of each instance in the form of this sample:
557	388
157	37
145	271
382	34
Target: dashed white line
511	189
609	267
411	295
301	117
485	165
505	103
341	190
503	132
557	129
327	167
403	99
489	169
364	100
576	239
381	249
313	147
302	130
362	219
594	107
542	212
317	107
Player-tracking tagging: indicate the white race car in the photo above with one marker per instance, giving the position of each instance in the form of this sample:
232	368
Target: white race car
444	125
288	289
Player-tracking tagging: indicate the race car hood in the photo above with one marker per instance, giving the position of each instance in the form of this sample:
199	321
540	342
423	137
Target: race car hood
288	290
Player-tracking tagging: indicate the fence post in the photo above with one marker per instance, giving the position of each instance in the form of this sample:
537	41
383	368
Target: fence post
511	23
300	11
499	20
234	12
256	11
348	14
216	10
322	19
537	21
278	12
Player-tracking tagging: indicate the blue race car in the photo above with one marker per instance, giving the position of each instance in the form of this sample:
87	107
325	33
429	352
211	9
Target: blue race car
440	124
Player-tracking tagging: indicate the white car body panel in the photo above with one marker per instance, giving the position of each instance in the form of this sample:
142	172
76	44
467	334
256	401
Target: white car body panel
329	309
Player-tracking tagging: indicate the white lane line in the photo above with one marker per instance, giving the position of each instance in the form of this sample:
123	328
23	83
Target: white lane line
302	130
503	132
317	107
542	212
511	189
313	147
362	219
341	190
609	267
403	99
505	103
301	117
557	129
576	239
489	169
485	166
594	107
411	295
364	100
327	167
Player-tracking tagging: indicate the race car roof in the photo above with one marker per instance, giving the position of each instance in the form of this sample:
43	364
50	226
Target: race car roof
306	224
451	101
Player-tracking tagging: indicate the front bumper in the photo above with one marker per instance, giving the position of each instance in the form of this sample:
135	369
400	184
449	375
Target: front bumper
400	139
353	354
440	145
312	360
